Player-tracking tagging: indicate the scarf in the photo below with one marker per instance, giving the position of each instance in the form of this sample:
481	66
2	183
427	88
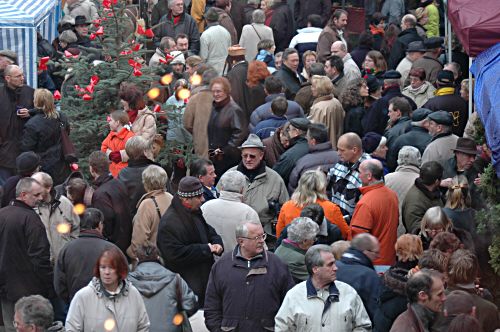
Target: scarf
376	30
132	115
444	91
418	90
219	105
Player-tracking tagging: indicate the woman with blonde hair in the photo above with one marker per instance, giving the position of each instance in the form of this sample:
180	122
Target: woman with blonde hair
458	205
42	135
326	109
311	189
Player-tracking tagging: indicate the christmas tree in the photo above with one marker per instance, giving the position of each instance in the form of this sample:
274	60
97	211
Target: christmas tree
93	79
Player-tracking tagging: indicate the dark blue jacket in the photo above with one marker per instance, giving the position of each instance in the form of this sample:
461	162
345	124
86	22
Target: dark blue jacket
263	112
355	269
266	128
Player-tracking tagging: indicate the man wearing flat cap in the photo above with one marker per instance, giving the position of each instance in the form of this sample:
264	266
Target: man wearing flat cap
446	100
263	185
417	136
378	115
415	51
439	127
298	148
186	242
464	163
430	61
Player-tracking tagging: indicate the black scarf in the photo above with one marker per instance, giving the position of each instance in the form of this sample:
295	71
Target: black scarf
251	174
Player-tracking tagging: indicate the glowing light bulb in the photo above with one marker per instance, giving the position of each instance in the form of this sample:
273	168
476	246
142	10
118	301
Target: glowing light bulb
79	208
166	79
63	228
109	324
195	79
153	93
184	93
178	319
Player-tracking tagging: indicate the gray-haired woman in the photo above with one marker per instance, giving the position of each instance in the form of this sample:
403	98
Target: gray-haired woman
301	236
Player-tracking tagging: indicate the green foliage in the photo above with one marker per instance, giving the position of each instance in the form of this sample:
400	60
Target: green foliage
98	73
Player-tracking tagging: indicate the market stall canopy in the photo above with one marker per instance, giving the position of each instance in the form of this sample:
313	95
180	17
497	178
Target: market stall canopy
19	22
486	70
476	23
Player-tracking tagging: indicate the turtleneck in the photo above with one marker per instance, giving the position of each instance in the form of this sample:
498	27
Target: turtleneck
219	105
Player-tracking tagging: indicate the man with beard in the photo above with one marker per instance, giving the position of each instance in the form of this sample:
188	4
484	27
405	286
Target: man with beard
263	185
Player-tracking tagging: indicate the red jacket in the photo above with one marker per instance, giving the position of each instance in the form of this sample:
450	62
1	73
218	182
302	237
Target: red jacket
377	213
115	141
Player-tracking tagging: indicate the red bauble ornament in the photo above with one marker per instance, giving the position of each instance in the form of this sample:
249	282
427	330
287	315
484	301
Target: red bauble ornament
92	36
137	47
149	33
43	63
94	80
87	97
57	95
137	72
99	31
140	30
157	108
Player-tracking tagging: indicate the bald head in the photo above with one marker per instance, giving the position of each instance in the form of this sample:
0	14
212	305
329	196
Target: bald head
367	244
349	147
14	76
338	48
408	21
370	171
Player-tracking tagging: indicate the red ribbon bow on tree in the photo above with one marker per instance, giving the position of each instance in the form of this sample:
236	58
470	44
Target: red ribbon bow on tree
107	3
57	95
70	55
43	63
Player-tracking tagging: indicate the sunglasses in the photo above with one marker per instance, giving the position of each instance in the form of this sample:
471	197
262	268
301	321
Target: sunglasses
248	156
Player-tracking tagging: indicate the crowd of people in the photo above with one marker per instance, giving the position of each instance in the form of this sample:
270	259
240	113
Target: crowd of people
335	186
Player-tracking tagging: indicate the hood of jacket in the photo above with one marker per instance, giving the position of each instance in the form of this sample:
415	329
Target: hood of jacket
98	288
395	280
150	278
56	327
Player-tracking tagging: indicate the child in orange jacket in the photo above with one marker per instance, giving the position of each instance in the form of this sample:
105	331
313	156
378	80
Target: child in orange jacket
114	144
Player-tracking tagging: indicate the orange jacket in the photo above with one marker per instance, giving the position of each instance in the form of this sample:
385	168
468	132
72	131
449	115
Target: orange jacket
377	213
290	211
115	141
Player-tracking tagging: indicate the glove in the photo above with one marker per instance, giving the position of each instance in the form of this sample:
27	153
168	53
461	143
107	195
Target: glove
115	156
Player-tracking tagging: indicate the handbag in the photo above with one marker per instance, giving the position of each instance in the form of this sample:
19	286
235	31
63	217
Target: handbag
185	326
68	148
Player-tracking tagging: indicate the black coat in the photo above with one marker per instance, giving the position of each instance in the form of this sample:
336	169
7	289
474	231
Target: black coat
353	119
11	126
286	163
291	81
43	136
304	8
186	25
392	300
25	267
398	50
417	137
376	117
454	105
183	237
75	264
9	189
227	129
111	198
283	25
131	177
246	298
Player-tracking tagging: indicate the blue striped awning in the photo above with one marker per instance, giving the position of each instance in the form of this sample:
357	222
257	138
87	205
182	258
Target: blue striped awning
19	22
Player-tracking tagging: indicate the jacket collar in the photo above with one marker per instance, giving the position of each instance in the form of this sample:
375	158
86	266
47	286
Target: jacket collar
120	134
332	289
273	96
376	185
147	195
323	98
429	194
444	91
141	162
103	179
21	204
355	257
230	196
401	120
252	174
88	233
325	146
441	135
408	169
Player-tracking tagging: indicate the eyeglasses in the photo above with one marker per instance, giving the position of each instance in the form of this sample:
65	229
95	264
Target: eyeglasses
18	324
248	156
257	238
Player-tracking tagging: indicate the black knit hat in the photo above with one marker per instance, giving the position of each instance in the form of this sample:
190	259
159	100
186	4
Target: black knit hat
371	141
27	162
372	83
190	186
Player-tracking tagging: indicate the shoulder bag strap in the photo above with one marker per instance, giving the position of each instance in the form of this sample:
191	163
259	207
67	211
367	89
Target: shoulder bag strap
156	205
260	38
178	292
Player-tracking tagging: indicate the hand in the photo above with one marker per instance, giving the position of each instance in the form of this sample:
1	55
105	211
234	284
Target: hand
23	113
477	181
115	156
446	183
215	248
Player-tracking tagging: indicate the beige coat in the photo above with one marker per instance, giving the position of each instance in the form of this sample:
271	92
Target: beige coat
251	35
420	95
196	117
85	8
328	111
440	149
145	124
62	214
400	182
146	220
268	186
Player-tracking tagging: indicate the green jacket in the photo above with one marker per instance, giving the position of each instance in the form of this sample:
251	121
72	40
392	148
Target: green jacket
294	257
417	201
